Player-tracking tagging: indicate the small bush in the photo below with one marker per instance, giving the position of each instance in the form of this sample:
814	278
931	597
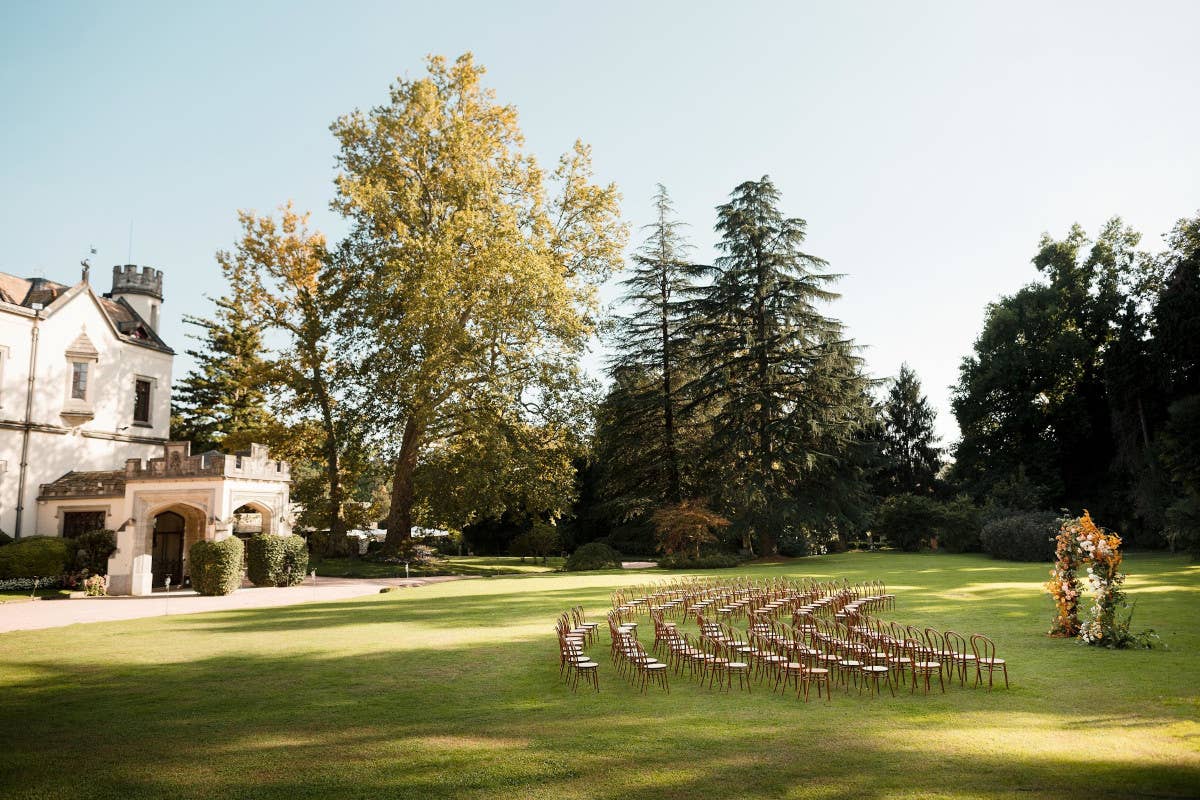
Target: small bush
276	560
1021	537
5	539
960	526
539	541
907	521
216	567
794	543
443	545
593	555
92	550
36	557
710	561
410	551
96	586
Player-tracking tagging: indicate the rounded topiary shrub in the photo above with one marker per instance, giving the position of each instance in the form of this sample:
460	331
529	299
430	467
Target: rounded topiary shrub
276	560
593	555
36	557
216	567
1021	537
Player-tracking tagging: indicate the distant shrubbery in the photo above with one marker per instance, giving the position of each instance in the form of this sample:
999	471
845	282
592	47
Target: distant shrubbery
216	567
593	555
960	525
710	561
909	522
276	560
410	552
1022	537
539	541
37	557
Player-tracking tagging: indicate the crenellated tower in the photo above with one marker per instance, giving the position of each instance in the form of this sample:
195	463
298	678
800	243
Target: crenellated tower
141	287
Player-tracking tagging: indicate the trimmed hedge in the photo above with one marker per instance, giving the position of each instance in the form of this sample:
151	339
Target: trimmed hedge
37	557
276	560
593	555
711	561
216	567
1022	537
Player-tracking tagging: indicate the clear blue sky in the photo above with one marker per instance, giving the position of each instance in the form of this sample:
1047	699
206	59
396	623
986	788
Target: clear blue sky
927	144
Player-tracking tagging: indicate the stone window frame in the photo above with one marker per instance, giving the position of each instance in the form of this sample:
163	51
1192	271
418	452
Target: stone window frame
72	404
90	508
152	387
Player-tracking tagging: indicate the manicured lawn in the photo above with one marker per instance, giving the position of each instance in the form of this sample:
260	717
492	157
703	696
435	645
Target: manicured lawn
451	565
23	595
452	691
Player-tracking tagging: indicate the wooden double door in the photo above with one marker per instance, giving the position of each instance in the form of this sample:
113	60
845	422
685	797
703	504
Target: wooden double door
167	552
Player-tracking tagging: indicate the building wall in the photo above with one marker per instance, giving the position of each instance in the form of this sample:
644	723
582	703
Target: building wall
58	444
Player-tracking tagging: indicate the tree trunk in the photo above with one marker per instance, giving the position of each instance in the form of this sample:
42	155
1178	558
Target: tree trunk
400	521
674	493
766	537
338	545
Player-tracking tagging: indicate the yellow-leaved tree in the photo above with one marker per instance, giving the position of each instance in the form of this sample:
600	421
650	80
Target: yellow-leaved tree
471	281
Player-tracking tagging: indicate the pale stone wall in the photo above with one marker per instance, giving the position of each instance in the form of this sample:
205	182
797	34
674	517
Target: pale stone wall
60	444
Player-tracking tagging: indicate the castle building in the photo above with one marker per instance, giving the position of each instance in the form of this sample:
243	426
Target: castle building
85	406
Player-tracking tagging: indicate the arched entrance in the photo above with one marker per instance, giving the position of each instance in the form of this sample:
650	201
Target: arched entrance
167	548
252	518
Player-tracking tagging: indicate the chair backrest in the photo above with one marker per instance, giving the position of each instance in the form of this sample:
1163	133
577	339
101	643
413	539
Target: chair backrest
955	642
935	640
982	647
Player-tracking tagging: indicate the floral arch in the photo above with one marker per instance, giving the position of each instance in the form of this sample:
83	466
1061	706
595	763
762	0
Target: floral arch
1080	542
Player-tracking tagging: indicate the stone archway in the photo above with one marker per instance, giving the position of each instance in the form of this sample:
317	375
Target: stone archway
173	529
251	518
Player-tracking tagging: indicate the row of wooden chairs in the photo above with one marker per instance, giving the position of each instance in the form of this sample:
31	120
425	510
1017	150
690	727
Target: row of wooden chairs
574	632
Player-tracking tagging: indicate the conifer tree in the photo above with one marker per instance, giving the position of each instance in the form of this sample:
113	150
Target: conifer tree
783	385
909	442
651	350
222	401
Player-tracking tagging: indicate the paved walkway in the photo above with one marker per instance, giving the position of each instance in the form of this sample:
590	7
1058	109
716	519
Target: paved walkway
57	613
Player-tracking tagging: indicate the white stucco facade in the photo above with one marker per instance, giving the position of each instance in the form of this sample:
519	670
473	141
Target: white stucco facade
85	399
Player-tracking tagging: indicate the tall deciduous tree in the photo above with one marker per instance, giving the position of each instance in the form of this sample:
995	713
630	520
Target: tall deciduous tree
1033	397
783	385
472	297
910	450
296	287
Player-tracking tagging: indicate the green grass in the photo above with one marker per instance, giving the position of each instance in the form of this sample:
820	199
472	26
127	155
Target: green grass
451	565
23	595
452	690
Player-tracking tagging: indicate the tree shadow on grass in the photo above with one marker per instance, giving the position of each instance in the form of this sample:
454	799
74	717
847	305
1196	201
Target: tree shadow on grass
496	721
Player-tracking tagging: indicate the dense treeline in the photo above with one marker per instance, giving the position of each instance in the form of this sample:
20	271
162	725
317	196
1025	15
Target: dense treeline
1083	390
424	370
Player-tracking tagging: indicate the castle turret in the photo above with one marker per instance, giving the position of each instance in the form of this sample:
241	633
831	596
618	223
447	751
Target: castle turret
141	288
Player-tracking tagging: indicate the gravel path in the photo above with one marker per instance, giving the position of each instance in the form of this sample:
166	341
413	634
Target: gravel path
57	613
